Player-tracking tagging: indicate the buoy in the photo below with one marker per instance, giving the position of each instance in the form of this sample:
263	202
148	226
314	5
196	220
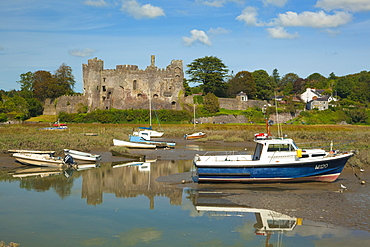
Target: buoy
183	181
362	182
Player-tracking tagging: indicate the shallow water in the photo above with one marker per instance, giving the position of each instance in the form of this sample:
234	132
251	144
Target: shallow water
120	205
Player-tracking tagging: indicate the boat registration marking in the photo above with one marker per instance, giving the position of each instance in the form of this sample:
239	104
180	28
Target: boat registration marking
322	166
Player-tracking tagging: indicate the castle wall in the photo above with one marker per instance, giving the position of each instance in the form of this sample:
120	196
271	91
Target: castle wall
128	87
69	104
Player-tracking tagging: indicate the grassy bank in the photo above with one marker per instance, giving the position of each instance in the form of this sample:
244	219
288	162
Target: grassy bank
78	136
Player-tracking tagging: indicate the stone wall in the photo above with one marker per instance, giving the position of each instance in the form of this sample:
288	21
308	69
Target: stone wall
69	104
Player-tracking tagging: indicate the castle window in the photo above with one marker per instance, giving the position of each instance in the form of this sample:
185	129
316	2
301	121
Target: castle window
108	96
173	102
134	85
104	79
103	98
97	88
139	95
155	95
104	89
106	108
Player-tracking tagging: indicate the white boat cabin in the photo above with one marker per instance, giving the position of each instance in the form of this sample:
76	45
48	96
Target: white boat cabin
282	149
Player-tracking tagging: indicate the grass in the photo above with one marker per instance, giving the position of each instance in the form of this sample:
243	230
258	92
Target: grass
29	136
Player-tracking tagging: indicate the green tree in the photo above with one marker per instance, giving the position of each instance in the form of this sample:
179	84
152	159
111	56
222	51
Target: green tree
43	85
210	72
242	81
316	80
211	103
287	82
276	77
64	79
26	82
265	86
187	88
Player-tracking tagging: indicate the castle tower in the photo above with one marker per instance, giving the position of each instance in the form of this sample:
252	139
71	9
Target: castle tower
128	87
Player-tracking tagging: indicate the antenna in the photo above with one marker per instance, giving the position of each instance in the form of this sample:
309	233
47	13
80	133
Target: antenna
280	132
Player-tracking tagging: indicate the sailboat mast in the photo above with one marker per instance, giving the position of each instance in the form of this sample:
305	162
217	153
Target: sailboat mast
150	110
194	114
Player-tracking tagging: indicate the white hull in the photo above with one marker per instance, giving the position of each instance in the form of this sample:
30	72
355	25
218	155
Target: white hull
30	151
78	155
132	144
38	159
147	134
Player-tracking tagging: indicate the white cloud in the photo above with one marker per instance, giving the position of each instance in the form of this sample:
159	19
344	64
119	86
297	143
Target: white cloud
218	3
313	19
347	5
134	9
218	31
82	53
249	16
331	32
279	3
281	33
96	3
197	36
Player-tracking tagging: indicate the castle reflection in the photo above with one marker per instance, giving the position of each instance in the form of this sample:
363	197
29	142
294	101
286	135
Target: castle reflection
124	180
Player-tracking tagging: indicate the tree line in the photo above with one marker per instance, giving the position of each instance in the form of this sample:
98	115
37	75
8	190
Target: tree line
211	79
210	75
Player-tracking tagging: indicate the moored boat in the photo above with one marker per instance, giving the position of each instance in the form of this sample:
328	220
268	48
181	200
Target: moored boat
195	135
31	151
129	144
43	160
159	144
274	160
78	155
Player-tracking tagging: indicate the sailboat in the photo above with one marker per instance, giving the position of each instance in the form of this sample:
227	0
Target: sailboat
195	135
148	132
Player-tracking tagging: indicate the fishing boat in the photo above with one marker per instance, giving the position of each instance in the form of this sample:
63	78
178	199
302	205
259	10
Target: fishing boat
195	135
78	155
274	160
130	144
159	144
43	160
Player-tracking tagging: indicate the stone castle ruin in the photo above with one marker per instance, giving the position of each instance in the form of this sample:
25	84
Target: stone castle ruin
126	87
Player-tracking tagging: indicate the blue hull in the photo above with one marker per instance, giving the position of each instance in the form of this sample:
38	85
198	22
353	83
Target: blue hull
322	170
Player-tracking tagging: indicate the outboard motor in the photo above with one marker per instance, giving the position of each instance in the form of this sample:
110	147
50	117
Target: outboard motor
68	160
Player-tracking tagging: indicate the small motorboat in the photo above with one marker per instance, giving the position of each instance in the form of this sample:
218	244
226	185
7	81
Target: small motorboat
195	135
130	144
43	160
79	155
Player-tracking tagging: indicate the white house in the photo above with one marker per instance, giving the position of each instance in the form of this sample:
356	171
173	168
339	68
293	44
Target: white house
242	96
310	94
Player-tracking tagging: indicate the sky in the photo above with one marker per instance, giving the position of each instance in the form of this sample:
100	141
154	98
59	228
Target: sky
292	36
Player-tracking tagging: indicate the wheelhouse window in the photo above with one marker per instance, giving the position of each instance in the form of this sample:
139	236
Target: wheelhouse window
280	148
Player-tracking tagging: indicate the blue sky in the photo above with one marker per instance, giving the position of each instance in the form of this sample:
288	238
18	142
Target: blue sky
297	36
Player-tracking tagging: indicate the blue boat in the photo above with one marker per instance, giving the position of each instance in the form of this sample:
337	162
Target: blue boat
274	160
159	144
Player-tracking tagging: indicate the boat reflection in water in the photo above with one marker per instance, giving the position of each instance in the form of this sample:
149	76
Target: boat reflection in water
268	222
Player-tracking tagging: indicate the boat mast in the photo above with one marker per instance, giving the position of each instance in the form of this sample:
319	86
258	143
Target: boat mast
194	114
264	110
150	110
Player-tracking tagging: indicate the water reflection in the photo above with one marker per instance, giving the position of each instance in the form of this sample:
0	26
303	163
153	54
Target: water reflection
267	222
123	179
128	204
